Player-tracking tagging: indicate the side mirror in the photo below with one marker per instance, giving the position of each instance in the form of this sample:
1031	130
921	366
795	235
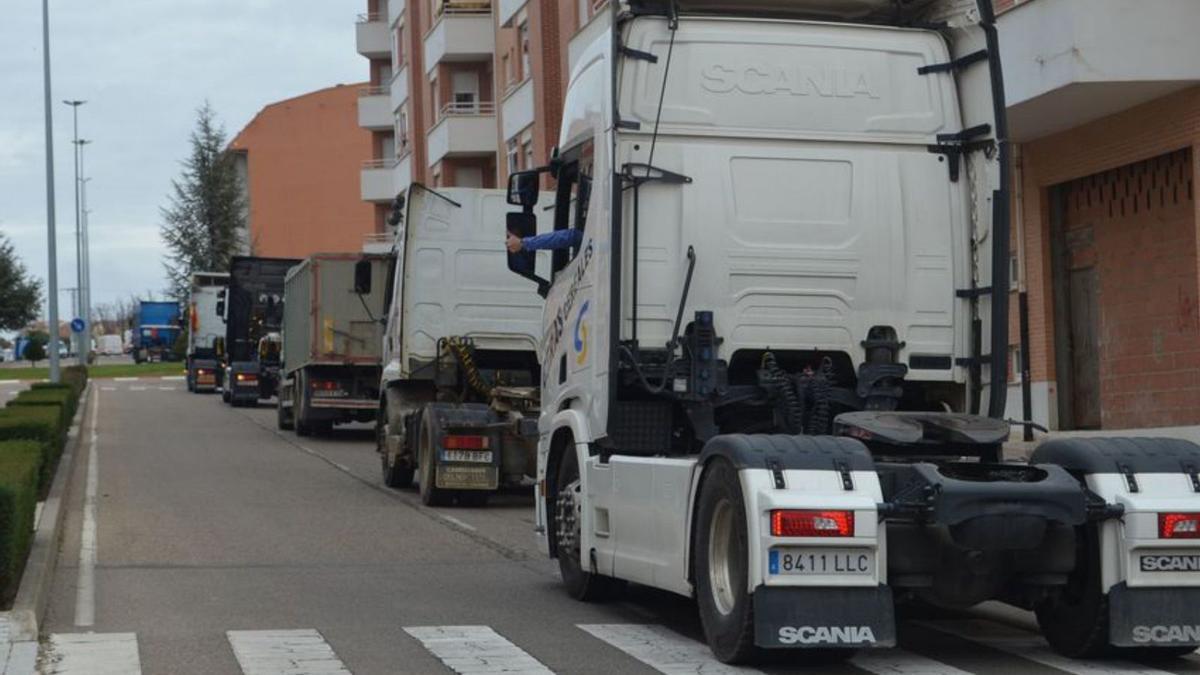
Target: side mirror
524	263
523	189
362	277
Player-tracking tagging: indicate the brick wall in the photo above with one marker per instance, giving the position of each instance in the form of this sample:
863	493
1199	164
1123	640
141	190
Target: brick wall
1148	131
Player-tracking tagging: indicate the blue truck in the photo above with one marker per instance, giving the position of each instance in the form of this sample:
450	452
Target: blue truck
156	327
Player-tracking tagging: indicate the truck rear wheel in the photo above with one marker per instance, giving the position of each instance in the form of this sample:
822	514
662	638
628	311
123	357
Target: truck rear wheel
395	475
431	495
566	513
722	561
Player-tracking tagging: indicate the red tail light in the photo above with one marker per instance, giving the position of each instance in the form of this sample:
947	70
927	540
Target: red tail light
325	385
465	442
812	523
1179	525
247	377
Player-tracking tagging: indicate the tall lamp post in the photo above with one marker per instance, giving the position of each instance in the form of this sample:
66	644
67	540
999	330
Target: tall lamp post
81	341
85	288
52	252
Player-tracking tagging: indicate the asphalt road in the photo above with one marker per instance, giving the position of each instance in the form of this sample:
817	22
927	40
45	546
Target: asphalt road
223	546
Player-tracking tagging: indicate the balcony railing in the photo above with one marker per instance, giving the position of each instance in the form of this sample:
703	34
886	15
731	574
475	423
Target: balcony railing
369	164
463	7
475	108
374	91
371	17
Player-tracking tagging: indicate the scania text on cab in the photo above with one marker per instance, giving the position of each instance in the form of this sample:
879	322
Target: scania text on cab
773	372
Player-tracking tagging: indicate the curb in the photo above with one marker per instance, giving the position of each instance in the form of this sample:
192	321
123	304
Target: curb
33	594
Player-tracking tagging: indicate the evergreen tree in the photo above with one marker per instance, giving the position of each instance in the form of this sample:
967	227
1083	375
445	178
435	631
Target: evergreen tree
20	294
205	219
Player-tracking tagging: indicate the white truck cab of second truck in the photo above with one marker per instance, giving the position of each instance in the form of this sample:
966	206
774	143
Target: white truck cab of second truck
772	375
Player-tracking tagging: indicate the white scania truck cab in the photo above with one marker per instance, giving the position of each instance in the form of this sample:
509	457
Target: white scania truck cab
772	370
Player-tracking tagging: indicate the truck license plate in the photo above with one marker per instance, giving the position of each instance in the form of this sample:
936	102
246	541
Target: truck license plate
458	477
795	560
473	456
206	379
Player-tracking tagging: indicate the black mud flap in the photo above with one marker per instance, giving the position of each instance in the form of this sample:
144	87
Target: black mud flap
821	618
1154	617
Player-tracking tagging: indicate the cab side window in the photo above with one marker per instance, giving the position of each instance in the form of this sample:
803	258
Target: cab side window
573	197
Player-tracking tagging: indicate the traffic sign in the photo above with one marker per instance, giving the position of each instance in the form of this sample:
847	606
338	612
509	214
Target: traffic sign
77	325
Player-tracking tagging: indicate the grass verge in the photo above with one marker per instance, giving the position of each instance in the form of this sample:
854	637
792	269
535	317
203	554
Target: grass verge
110	370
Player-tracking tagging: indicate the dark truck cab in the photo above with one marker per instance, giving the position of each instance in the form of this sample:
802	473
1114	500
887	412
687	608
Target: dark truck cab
253	311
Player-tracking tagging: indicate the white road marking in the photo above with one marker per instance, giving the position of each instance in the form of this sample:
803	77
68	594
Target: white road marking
900	662
476	649
284	652
168	388
108	388
125	379
137	388
37	514
173	378
85	593
455	521
1033	647
7	383
92	654
661	649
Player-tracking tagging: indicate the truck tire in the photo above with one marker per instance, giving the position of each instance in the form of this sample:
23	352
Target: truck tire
1075	623
394	474
565	514
225	397
722	554
431	495
283	417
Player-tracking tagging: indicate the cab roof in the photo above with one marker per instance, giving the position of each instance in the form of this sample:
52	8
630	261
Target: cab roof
898	12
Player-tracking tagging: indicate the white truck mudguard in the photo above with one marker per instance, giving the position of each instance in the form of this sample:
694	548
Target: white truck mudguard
817	550
1145	565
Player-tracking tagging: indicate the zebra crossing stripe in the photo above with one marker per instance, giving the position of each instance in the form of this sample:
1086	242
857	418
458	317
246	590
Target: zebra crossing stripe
900	662
1033	647
476	649
284	652
92	654
662	649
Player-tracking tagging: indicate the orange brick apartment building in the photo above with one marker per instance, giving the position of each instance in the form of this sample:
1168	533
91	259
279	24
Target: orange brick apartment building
299	161
1104	104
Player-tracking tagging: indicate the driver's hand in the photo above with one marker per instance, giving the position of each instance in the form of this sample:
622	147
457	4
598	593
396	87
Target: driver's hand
513	243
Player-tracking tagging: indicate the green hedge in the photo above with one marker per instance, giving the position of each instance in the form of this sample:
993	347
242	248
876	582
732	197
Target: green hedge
20	463
42	425
65	399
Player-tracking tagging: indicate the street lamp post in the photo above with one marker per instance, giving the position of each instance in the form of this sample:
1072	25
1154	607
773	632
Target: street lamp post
52	252
80	339
85	292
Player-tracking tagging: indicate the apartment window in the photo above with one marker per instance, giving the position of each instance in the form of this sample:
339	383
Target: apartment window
585	11
506	65
523	45
468	176
387	147
435	99
398	47
527	153
466	91
514	156
385	74
402	132
1016	364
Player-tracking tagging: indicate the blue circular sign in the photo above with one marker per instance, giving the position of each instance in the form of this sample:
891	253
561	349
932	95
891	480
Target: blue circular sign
77	325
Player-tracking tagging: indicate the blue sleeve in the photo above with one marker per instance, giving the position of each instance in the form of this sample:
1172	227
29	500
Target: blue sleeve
553	241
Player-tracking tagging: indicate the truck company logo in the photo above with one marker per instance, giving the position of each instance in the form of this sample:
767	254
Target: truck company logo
826	635
1166	634
1170	563
581	334
554	331
761	79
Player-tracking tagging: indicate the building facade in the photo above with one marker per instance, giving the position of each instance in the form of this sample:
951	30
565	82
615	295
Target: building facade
1105	105
298	161
462	92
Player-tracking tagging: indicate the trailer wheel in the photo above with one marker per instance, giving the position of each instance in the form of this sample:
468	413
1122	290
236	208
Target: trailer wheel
395	475
431	495
722	558
566	515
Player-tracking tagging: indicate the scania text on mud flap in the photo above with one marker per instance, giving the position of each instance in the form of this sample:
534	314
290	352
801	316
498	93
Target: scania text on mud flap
776	380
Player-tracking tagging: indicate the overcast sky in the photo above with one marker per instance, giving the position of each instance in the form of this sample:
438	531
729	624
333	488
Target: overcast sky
144	66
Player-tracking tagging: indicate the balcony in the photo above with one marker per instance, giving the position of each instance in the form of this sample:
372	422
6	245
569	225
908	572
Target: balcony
374	109
395	11
517	109
462	31
1069	62
399	88
376	180
463	130
379	243
372	36
507	9
402	175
